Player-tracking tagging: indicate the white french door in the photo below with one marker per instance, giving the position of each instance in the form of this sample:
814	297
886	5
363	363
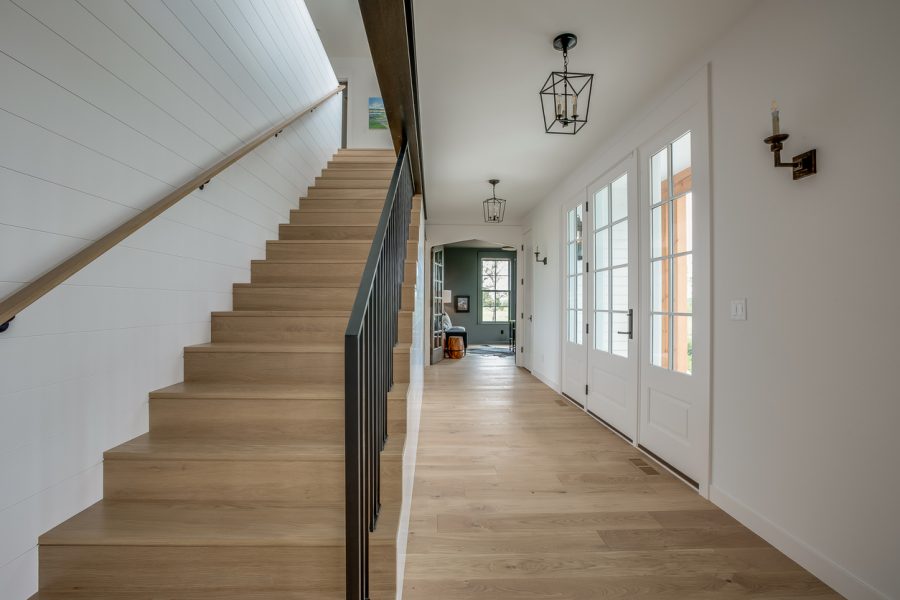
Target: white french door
574	371
674	382
636	342
612	291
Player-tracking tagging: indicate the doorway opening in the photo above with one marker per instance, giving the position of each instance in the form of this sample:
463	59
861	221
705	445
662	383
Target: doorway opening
474	297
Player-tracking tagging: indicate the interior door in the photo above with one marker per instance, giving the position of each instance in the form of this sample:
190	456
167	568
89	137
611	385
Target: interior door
613	290
526	320
674	385
574	365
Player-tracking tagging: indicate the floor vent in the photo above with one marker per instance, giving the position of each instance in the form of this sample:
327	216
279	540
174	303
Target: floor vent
641	464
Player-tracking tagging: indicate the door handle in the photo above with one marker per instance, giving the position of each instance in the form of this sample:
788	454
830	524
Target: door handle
630	332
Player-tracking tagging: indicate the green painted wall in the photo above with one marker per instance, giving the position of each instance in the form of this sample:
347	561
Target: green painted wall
462	274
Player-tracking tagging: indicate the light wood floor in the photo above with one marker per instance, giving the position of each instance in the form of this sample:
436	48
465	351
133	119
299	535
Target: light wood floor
520	495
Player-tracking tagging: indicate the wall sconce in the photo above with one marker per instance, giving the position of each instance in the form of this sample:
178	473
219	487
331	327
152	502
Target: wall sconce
804	164
537	255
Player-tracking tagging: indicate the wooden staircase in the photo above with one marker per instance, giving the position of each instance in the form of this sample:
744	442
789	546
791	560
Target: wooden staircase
237	491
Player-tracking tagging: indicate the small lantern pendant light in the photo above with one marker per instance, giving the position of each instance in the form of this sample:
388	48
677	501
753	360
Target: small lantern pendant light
494	207
566	97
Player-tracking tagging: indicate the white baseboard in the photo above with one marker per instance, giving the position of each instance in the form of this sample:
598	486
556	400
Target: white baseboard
553	385
840	579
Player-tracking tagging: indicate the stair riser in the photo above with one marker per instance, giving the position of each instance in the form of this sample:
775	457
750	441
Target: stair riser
326	232
354	194
337	217
353	157
287	420
307	483
338	174
347	204
359	165
370	217
287	329
372	184
261	298
260	573
312	273
326	251
263	367
277	420
366	152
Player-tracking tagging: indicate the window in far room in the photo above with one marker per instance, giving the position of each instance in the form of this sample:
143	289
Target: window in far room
495	287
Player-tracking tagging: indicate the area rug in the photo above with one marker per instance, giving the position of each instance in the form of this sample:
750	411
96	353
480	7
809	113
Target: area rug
497	351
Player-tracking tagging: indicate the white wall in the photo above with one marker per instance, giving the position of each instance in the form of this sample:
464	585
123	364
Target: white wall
362	83
418	357
805	402
104	108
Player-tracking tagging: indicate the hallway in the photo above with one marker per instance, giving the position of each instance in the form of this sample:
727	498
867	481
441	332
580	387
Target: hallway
518	494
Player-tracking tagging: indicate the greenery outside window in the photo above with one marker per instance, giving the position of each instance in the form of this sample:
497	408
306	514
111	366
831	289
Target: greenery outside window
495	288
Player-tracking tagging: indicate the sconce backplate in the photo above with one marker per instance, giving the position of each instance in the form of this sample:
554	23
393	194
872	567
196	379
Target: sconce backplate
804	164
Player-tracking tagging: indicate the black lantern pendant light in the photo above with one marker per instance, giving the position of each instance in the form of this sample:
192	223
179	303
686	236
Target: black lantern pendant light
494	207
566	97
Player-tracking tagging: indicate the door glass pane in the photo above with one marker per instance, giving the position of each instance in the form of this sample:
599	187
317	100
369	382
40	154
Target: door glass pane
579	293
659	176
620	288
601	331
684	230
684	345
571	253
681	164
659	231
620	340
659	285
502	282
620	243
601	208
571	303
570	234
579	257
619	200
659	341
601	290
684	285
570	314
601	249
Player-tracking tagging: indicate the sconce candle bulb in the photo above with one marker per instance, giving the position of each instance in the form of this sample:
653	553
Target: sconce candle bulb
776	125
803	165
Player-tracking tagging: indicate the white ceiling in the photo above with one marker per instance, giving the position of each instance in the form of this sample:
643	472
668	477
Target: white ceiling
481	64
340	26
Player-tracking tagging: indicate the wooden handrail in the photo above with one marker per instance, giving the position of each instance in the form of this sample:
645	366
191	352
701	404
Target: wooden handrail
21	299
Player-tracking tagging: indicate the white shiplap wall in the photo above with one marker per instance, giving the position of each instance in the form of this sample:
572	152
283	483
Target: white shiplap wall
104	108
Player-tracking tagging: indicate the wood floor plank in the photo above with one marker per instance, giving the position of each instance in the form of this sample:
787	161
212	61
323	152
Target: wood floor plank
521	495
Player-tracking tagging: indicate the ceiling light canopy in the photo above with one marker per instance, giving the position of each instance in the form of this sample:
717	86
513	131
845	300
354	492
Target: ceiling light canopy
565	96
494	207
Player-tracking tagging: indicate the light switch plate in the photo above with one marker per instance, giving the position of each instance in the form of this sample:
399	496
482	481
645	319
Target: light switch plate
739	310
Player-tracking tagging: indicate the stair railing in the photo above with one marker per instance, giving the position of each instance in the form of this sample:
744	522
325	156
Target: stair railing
24	297
368	366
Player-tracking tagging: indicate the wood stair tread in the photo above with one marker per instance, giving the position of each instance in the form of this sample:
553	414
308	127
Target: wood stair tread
312	283
270	391
161	523
265	347
304	284
155	447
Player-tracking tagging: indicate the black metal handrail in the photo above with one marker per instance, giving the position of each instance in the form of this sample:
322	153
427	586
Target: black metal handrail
369	374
